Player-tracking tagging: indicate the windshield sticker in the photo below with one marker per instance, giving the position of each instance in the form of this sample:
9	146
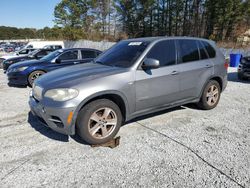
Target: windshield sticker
135	43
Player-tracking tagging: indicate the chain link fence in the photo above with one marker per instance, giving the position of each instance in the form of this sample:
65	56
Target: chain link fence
227	52
102	45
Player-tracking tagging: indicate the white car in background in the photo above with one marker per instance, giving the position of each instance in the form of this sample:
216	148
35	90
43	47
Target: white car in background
20	53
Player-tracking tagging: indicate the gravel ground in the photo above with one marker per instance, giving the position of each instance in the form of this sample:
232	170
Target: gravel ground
181	147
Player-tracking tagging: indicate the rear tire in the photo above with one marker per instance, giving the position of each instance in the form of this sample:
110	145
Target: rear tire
210	95
99	121
33	76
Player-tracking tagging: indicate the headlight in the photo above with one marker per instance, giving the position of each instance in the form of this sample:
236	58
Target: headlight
8	62
63	94
20	69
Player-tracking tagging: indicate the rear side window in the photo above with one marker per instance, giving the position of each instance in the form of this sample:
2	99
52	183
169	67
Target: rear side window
188	50
57	47
210	50
25	51
88	54
165	52
203	53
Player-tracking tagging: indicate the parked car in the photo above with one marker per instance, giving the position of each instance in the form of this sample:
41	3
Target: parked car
53	47
37	54
20	53
42	44
24	73
133	78
244	68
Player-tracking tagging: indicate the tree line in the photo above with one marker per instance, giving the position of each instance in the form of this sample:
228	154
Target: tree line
220	20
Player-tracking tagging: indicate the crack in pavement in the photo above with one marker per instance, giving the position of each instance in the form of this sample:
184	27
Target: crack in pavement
18	123
190	149
14	169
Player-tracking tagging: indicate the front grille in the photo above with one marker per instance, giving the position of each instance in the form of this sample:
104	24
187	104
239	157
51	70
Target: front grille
57	121
246	70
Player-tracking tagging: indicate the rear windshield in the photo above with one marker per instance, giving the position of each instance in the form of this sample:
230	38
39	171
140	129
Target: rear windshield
123	54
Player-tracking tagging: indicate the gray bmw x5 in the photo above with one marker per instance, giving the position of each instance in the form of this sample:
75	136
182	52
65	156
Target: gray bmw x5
133	78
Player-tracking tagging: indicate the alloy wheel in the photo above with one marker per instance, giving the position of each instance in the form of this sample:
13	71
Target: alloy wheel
212	95
102	123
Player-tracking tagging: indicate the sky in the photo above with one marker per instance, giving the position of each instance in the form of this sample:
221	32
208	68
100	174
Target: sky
27	13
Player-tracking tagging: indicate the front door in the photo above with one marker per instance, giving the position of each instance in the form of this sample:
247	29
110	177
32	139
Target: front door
158	87
67	58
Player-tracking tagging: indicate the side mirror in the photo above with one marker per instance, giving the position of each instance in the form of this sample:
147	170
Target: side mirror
150	63
58	61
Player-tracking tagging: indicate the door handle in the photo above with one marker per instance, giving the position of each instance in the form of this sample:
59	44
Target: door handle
76	62
174	73
208	66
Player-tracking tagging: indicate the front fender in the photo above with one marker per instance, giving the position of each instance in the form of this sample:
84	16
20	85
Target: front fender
86	100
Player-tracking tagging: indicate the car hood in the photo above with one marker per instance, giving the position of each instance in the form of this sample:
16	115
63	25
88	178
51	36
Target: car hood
76	74
26	63
18	58
8	56
12	55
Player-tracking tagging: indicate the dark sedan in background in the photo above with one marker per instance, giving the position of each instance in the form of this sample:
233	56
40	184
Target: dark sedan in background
37	54
244	68
24	73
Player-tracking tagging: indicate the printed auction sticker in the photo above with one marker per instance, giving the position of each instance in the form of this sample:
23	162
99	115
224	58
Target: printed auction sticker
135	43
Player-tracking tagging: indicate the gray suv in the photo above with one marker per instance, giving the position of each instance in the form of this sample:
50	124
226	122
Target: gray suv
133	78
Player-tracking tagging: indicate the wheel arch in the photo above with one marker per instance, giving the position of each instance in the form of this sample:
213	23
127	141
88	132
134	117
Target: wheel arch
33	70
115	96
216	78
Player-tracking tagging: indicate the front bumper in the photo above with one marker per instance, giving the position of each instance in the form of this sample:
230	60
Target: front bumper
244	72
6	66
55	118
17	78
224	82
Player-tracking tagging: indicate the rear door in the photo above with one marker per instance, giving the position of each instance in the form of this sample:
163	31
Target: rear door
195	67
158	87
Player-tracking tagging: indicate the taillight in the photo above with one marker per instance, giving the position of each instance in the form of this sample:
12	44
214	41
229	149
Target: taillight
226	65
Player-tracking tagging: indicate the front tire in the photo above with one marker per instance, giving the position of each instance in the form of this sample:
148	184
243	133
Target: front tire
99	121
210	96
33	76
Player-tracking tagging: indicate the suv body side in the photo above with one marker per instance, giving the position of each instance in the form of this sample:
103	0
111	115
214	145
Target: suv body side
138	91
144	92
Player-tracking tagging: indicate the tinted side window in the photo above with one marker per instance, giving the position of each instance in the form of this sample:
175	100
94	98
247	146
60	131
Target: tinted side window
70	55
57	47
25	51
203	53
41	53
88	54
210	50
188	50
165	52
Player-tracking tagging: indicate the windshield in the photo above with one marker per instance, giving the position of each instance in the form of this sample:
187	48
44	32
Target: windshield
52	55
123	54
